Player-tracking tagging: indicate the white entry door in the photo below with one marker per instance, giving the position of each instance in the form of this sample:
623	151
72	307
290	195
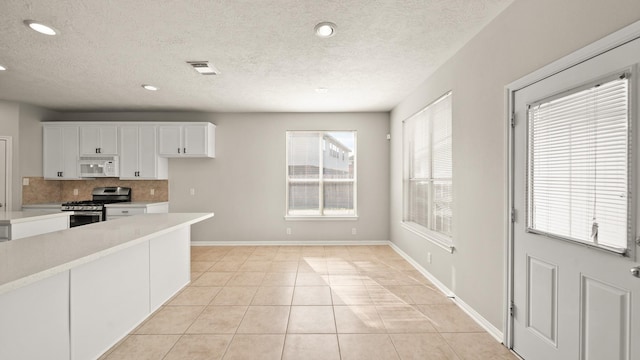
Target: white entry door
574	292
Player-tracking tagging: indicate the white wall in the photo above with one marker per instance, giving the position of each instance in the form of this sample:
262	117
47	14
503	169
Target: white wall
526	36
244	185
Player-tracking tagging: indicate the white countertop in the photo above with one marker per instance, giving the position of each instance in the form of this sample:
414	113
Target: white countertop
38	257
136	204
15	217
43	205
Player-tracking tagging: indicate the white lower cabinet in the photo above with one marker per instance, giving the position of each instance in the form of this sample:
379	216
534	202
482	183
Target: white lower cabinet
120	210
35	326
170	265
81	313
109	297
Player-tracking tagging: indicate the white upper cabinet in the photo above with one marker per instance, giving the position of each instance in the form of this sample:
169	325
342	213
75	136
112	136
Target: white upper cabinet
99	139
139	154
60	152
142	147
187	140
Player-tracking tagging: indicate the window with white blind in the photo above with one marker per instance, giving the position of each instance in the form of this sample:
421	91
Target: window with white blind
428	172
578	165
321	174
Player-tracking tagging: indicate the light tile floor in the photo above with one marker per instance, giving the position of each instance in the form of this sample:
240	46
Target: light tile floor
305	303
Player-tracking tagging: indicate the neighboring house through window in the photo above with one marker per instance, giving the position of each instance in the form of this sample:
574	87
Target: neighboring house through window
321	174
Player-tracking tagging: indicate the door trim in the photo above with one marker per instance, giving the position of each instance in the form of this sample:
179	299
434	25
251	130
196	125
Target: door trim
8	172
609	42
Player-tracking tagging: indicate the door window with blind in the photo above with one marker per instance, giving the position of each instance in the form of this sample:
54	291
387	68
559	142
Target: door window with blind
428	171
321	173
579	151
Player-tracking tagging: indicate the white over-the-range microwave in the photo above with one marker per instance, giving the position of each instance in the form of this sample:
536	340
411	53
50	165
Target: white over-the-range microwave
98	166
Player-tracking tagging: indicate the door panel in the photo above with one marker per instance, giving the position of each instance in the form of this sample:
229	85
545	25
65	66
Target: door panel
573	301
604	334
542	299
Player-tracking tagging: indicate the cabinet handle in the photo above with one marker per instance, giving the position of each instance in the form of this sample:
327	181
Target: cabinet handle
184	150
99	150
125	211
178	150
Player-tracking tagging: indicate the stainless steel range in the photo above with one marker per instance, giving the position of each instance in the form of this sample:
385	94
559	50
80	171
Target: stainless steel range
90	211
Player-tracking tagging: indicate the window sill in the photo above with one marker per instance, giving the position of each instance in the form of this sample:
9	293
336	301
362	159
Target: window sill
320	218
438	240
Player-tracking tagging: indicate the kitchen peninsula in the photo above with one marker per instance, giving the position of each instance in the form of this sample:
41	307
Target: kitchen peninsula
18	224
75	293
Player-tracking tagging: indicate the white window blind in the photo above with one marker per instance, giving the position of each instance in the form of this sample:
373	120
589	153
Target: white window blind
428	169
321	173
578	160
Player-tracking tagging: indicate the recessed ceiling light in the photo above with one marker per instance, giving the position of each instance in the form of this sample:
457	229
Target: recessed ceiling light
325	29
150	87
41	28
2	68
322	90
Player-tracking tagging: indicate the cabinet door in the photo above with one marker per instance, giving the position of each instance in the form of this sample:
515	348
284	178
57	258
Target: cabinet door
99	140
60	152
170	140
195	140
70	152
147	152
52	152
129	152
89	140
109	140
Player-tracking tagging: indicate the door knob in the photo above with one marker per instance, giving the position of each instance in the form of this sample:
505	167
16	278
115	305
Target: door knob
635	271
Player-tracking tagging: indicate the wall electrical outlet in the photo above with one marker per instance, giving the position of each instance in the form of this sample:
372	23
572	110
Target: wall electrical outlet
354	231
429	257
75	192
25	181
152	191
192	191
288	231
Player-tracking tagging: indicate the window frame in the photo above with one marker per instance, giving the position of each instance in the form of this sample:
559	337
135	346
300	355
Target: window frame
323	147
438	238
632	159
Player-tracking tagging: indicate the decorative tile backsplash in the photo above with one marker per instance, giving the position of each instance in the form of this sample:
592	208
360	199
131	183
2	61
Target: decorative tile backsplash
40	191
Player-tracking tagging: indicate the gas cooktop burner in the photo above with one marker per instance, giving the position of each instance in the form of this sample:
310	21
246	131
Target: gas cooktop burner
101	196
83	202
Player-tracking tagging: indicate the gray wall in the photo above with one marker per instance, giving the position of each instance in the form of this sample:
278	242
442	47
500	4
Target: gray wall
9	126
244	185
526	36
22	123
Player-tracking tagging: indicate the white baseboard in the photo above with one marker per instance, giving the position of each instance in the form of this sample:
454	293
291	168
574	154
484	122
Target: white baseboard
492	330
291	243
484	323
423	271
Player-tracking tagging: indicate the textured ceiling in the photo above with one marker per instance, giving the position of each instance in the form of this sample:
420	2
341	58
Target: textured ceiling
266	51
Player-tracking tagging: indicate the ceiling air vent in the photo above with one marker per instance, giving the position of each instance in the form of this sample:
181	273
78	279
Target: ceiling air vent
204	67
